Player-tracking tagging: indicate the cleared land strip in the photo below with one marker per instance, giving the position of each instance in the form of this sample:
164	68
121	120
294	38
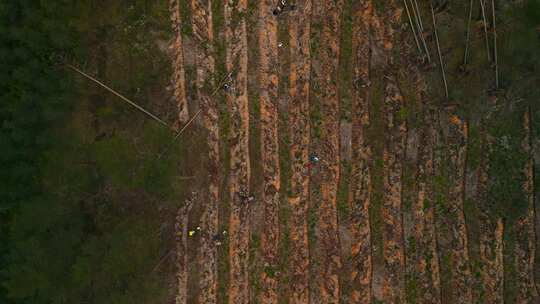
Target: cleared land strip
237	100
525	246
491	237
427	259
360	185
329	152
268	78
461	283
181	231
178	77
394	150
299	76
207	257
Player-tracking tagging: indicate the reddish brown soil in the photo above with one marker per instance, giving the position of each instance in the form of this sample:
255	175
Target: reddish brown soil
491	239
299	35
181	235
360	184
178	78
427	257
525	246
461	284
268	77
395	127
328	149
203	37
237	100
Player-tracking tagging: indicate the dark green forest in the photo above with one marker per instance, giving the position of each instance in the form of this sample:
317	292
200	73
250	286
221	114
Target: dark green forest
89	186
84	193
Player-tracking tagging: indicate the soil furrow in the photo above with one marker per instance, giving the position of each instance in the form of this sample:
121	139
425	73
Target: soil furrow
491	238
207	257
268	78
393	155
360	185
427	259
525	246
178	77
328	150
461	282
299	130
181	231
237	100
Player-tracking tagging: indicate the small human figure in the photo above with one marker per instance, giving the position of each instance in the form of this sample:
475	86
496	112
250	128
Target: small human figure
314	159
282	6
245	196
217	239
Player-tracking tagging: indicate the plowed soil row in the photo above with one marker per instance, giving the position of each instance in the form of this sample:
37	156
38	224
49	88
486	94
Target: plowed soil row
360	184
268	92
237	100
181	231
461	291
491	239
299	78
328	149
203	37
394	152
178	77
427	257
525	246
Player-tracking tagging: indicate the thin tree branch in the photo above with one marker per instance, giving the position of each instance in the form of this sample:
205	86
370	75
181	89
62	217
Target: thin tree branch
465	57
418	19
438	47
412	26
119	95
495	45
483	6
420	23
187	124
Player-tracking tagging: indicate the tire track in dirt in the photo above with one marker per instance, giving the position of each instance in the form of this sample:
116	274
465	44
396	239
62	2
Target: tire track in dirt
237	100
328	149
299	130
490	238
525	228
393	155
178	77
181	231
461	282
427	259
203	37
360	185
268	78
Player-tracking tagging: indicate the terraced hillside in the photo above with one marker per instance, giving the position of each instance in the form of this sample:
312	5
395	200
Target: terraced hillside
399	54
